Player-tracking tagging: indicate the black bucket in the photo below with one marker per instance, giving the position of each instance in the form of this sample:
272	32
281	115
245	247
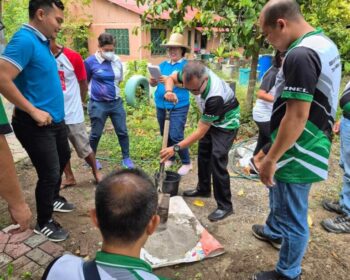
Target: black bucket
171	182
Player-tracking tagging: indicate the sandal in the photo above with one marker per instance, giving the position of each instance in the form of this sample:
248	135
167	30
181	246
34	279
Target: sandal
253	166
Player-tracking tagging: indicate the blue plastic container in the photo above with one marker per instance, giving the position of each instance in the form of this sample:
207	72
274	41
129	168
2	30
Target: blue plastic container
264	63
244	74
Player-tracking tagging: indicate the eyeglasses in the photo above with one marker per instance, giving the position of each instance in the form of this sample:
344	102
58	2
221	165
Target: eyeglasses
198	89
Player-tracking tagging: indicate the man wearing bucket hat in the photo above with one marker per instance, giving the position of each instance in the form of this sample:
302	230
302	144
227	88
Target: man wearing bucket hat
178	113
216	131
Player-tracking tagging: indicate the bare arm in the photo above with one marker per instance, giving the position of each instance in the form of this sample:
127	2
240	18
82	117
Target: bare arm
291	127
83	85
169	83
10	189
199	133
262	94
8	73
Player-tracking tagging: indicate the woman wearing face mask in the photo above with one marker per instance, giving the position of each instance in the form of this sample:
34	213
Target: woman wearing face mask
164	100
104	73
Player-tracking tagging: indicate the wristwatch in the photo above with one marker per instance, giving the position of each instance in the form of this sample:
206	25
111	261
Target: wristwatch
176	148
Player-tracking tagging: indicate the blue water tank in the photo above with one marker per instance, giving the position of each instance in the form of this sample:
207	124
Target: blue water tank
264	63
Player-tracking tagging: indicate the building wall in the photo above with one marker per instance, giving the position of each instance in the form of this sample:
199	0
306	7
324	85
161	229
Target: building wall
106	15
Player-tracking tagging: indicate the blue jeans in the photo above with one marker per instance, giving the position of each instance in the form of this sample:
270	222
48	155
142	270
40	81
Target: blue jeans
178	118
288	220
344	200
99	111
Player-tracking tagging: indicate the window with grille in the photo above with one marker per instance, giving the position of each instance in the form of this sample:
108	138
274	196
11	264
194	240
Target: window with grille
122	40
157	36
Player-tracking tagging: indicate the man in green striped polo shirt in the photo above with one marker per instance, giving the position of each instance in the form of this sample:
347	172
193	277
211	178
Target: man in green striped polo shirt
216	131
303	115
9	185
126	204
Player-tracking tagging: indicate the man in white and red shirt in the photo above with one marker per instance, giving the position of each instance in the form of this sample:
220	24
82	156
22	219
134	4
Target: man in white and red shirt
72	74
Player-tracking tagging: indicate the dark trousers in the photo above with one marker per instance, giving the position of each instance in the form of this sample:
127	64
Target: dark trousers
178	118
264	136
48	149
213	151
99	111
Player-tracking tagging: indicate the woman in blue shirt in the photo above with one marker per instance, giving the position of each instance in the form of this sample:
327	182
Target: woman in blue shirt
104	73
178	115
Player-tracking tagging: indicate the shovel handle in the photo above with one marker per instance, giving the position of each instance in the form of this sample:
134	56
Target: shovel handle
165	133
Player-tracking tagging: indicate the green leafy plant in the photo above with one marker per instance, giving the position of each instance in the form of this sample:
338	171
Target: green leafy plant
219	53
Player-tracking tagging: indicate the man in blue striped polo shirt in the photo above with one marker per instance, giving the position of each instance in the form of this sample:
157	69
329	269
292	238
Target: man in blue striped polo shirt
29	79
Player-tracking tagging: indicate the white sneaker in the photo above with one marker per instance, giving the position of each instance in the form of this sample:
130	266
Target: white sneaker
168	163
184	169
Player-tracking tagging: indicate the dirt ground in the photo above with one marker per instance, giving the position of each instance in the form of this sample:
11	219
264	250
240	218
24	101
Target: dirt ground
327	257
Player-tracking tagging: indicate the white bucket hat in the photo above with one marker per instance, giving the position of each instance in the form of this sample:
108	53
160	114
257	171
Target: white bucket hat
176	40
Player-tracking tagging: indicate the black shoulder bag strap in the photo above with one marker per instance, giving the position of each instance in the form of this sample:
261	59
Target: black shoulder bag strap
90	271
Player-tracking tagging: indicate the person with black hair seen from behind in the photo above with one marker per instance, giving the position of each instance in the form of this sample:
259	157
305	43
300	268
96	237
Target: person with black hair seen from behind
125	212
262	112
29	79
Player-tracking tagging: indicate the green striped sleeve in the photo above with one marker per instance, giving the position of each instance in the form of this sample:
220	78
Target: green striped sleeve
302	96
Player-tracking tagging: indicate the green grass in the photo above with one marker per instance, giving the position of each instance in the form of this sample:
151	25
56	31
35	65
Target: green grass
144	136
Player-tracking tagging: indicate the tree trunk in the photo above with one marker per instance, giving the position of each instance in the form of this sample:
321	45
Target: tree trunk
251	86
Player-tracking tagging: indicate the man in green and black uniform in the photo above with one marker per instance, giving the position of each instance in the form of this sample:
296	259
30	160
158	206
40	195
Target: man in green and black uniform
301	124
216	131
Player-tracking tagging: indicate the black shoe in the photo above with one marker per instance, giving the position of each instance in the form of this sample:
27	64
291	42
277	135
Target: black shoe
332	206
219	214
340	224
53	231
195	193
61	205
258	232
272	275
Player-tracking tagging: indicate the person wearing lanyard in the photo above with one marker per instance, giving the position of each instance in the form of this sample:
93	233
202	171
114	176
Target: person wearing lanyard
178	114
104	73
